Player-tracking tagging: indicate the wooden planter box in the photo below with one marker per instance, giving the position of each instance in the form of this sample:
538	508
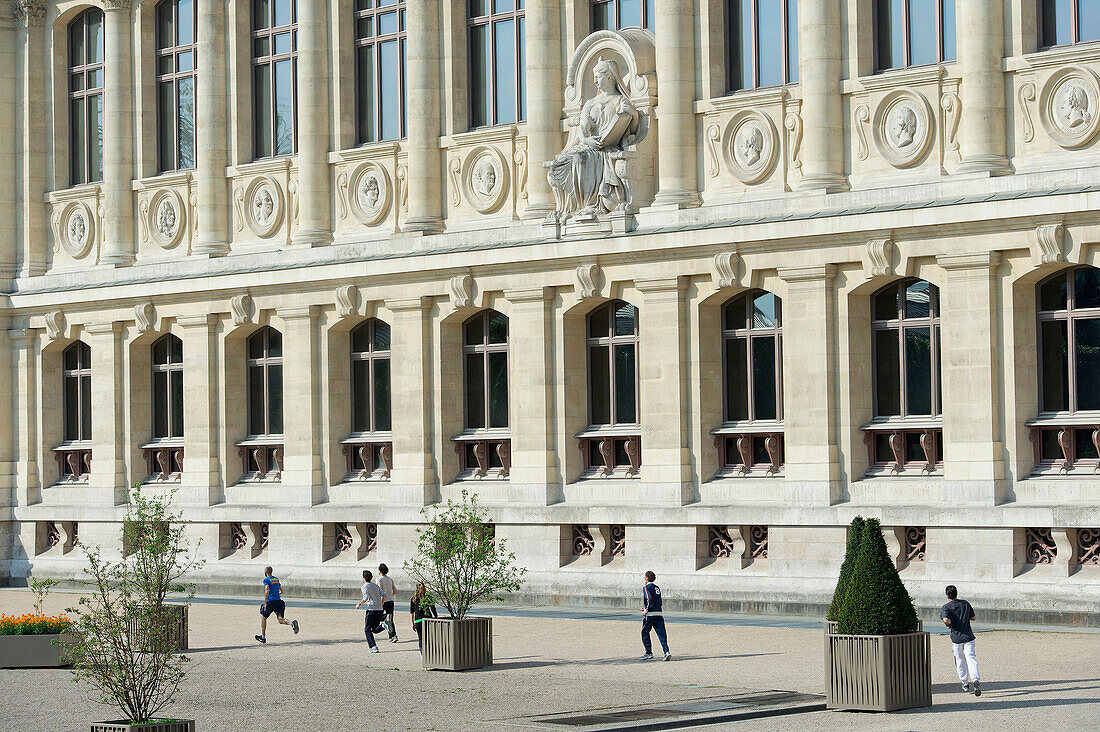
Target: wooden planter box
34	651
174	619
457	645
181	725
879	673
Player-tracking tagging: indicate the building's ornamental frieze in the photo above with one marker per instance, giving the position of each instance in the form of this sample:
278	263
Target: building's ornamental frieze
76	217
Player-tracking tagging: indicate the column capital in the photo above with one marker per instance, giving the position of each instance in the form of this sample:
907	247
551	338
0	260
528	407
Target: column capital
811	273
117	4
29	13
409	304
533	294
975	260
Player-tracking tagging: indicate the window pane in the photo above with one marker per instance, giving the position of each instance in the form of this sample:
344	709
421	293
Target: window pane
737	380
770	41
185	18
479	8
85	407
1086	291
364	68
160	351
887	374
381	336
72	358
503	6
918	299
382	394
498	328
891	49
599	386
175	350
741	36
95	141
1057	22
1088	363
390	90
475	330
521	71
1055	386
187	123
72	408
261	14
475	390
792	41
922	32
360	339
274	343
479	75
625	320
95	37
918	370
1052	295
625	385
387	23
262	112
948	30
256	345
166	125
284	107
282	43
598	325
77	152
763	378
886	304
734	317
504	77
76	43
256	400
1088	20
601	16
176	380
275	399
765	311
630	13
498	389
360	396
283	12
160	404
1084	449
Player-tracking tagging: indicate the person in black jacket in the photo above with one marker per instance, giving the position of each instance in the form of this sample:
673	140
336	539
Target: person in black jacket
420	610
652	618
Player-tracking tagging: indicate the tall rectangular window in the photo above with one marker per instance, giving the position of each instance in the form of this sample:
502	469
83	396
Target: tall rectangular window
380	60
913	33
86	98
175	70
274	77
619	14
1065	22
763	43
497	76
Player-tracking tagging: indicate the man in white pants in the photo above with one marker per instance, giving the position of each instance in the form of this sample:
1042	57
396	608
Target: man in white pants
956	615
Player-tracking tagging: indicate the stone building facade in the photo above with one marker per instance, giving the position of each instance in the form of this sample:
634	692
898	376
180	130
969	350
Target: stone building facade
680	285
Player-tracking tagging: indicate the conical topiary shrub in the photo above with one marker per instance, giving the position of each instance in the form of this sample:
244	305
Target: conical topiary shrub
855	530
876	602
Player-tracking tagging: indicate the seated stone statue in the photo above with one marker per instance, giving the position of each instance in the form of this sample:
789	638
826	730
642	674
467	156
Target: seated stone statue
587	176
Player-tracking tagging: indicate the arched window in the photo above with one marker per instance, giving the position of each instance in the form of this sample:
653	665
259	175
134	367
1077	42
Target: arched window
619	14
613	365
76	377
274	77
913	33
380	69
1064	22
1069	341
176	20
763	43
497	77
485	371
265	382
370	377
86	97
168	387
905	332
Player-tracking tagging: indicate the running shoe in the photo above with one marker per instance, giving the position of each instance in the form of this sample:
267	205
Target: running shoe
262	638
977	689
294	626
668	656
645	657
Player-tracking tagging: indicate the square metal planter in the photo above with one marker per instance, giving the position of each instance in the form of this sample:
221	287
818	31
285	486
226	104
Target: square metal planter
879	673
457	645
35	651
180	725
174	619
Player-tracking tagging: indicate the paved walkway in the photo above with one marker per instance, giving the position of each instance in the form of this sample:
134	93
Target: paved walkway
549	661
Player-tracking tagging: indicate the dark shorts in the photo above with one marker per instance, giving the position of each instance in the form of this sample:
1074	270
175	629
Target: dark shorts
273	606
387	607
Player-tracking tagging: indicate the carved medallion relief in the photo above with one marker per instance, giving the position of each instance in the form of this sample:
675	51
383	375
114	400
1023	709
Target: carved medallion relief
903	127
750	146
74	229
485	179
1068	106
370	193
166	218
261	206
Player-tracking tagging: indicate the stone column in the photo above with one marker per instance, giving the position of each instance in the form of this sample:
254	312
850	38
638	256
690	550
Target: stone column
7	437
811	469
24	364
423	121
981	52
545	80
413	478
8	107
201	475
211	137
107	478
822	114
31	19
678	183
663	392
973	459
301	479
314	180
531	391
118	136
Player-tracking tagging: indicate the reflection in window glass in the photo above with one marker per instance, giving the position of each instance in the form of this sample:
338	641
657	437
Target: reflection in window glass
1065	22
370	377
497	75
274	77
763	48
1069	341
613	364
380	70
619	14
86	97
167	369
76	378
485	349
175	64
906	349
752	369
265	382
913	33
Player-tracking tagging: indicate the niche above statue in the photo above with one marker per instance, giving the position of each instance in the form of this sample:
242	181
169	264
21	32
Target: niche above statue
606	171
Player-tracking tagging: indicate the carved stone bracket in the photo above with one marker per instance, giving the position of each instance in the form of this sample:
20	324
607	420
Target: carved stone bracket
876	258
1048	244
55	324
241	307
724	269
347	300
146	317
461	291
588	278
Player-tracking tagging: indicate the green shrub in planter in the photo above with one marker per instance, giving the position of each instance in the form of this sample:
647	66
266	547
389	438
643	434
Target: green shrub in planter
876	601
855	531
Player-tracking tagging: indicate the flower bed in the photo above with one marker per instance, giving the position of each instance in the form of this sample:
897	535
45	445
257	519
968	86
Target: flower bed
31	624
35	641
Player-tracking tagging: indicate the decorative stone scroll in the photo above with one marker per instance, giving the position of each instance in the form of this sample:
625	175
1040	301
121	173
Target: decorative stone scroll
145	315
724	270
241	307
877	258
588	281
903	125
461	289
1048	244
609	99
55	324
347	300
1069	106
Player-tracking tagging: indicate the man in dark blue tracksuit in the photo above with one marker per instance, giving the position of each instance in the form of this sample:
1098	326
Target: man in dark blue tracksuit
652	617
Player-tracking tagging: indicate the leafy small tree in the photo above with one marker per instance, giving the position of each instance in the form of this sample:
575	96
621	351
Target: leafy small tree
460	561
124	649
855	530
876	602
41	587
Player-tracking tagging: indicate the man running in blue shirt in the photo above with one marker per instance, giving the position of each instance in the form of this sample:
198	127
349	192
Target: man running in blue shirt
652	617
273	603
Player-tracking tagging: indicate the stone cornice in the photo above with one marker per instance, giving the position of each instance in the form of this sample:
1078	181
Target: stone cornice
533	294
204	320
117	4
296	312
103	328
976	260
660	284
808	274
407	304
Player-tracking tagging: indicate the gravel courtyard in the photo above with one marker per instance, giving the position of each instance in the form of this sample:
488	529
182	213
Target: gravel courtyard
546	662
